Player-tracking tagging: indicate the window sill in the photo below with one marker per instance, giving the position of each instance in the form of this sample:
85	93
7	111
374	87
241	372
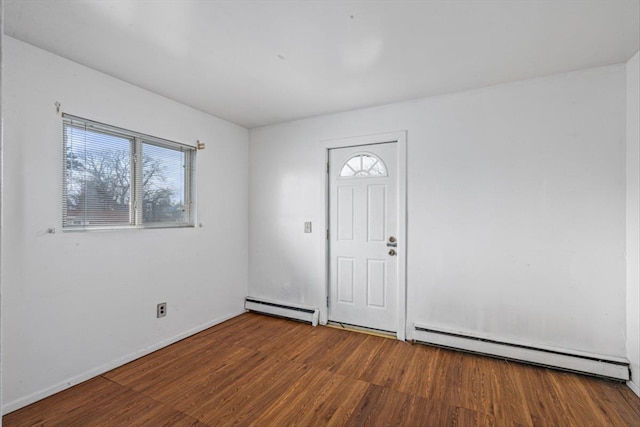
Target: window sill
132	227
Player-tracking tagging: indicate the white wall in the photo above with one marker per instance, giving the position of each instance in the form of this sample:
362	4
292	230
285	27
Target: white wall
1	152
516	209
76	304
633	221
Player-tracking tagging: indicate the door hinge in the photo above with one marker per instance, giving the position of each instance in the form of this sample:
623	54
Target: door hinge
327	167
327	234
327	300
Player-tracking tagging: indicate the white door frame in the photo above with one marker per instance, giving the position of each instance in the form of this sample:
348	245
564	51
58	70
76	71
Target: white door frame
399	137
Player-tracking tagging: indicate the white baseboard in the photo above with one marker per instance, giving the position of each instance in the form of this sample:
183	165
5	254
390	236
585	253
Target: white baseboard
570	360
39	395
634	387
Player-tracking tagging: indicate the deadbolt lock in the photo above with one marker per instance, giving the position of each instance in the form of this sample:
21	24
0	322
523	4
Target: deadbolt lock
392	242
392	239
392	252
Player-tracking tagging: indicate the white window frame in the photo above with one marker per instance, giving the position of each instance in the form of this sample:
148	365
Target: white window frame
362	173
136	173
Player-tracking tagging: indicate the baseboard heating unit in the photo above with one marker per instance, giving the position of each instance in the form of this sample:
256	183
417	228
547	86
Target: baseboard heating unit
603	366
289	310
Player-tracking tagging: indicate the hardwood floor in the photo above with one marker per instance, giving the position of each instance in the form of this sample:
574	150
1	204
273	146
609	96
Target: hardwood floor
256	370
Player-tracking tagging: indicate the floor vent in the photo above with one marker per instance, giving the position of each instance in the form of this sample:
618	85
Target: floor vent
291	311
581	362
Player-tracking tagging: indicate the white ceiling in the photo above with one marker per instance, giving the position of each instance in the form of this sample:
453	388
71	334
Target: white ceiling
261	62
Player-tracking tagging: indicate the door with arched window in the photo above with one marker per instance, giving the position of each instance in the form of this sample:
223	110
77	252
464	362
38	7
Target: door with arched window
363	224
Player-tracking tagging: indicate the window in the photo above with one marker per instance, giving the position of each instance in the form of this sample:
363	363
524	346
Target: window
363	165
119	178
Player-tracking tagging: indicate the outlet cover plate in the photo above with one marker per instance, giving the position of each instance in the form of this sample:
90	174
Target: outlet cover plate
161	309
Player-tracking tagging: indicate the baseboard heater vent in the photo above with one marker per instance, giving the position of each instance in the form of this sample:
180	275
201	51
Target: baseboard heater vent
585	363
291	311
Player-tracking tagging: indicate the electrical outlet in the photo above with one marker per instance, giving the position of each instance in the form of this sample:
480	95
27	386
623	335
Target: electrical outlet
307	227
161	309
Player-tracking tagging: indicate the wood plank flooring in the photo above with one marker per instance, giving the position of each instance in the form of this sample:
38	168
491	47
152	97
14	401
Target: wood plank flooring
255	370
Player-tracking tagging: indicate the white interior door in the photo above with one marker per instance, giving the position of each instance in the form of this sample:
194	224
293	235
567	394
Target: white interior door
363	230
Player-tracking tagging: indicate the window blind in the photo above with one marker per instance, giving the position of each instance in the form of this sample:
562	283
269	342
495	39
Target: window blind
118	178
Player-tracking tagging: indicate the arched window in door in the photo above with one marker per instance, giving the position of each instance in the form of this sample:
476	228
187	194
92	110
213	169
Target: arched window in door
363	165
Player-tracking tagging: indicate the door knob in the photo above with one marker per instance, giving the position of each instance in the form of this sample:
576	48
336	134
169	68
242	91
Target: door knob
392	252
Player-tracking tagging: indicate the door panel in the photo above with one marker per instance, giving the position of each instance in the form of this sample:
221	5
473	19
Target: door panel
363	215
376	200
345	213
376	283
345	279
